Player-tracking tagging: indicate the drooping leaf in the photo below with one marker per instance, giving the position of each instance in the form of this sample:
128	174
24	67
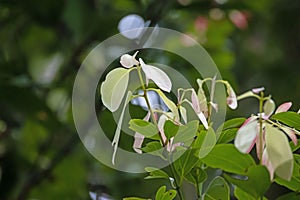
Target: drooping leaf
114	87
156	173
283	107
289	118
159	77
208	141
116	139
217	189
170	104
128	61
186	132
229	159
279	152
256	183
170	129
246	135
294	183
269	108
143	127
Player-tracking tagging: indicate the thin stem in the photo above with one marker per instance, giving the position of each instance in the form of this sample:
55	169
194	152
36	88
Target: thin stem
148	104
261	100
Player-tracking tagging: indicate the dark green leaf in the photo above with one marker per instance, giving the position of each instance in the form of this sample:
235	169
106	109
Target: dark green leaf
289	118
233	123
154	148
170	129
229	159
196	176
217	189
241	195
290	196
256	182
205	141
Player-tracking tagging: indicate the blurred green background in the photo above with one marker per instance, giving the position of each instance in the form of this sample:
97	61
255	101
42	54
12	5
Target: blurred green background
42	44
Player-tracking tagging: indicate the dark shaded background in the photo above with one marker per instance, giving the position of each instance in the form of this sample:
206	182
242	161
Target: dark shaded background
254	43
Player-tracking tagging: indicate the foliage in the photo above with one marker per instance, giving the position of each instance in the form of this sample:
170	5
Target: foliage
193	143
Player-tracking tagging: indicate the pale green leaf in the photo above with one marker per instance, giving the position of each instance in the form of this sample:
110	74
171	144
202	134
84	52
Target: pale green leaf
183	113
156	173
269	108
143	127
170	104
279	152
209	140
186	132
116	139
114	87
246	135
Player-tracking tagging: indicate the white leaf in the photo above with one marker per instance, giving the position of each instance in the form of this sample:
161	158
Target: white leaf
269	108
116	139
159	77
128	61
114	87
246	135
183	114
139	138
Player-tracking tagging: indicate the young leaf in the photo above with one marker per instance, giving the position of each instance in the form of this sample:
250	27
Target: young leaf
143	127
186	132
257	181
170	129
269	108
229	159
154	148
162	194
114	87
168	102
217	189
246	135
116	139
283	107
289	118
279	152
208	139
156	173
159	77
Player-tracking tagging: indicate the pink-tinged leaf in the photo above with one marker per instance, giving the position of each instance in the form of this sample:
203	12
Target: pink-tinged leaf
291	133
195	102
139	138
246	135
258	90
138	141
128	61
283	107
171	147
266	162
269	108
215	106
231	99
159	77
183	114
203	120
258	147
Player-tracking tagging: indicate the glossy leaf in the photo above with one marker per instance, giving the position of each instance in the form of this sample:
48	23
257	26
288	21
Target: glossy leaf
289	118
229	159
217	189
162	194
256	182
114	87
279	152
